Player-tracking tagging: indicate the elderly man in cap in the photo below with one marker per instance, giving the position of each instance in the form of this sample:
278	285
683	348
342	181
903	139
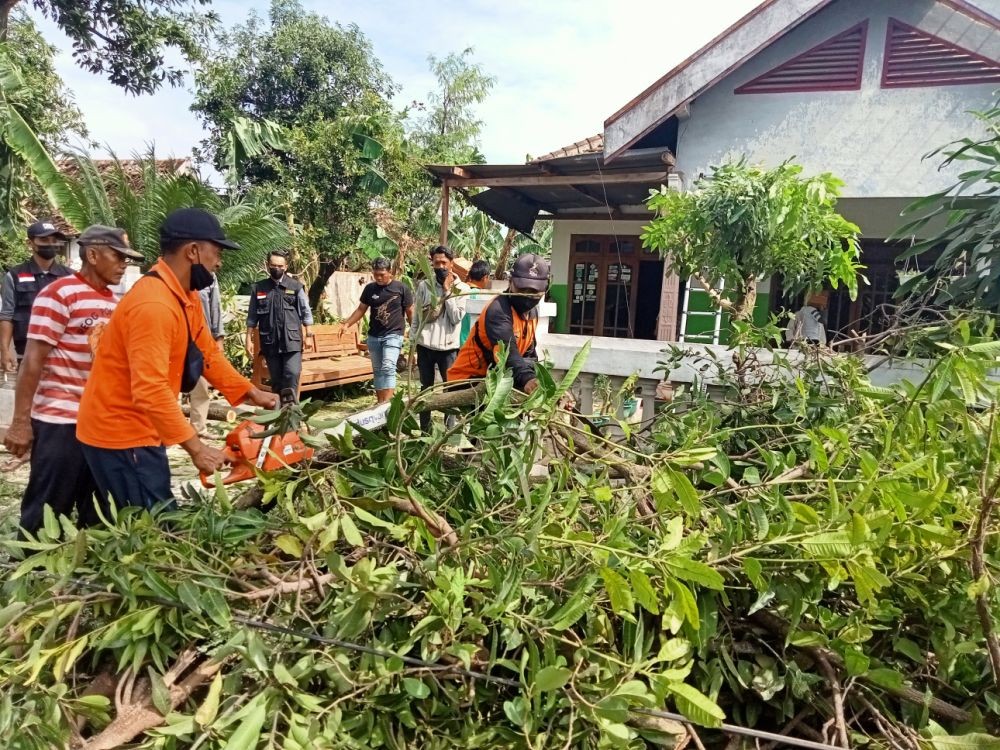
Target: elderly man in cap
510	319
66	321
21	285
156	345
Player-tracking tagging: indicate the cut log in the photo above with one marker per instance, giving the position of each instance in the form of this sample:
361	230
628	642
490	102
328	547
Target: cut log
216	412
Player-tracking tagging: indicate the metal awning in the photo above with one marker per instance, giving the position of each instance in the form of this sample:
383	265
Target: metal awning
578	186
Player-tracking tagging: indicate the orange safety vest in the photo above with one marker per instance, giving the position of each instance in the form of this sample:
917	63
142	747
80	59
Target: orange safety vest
478	354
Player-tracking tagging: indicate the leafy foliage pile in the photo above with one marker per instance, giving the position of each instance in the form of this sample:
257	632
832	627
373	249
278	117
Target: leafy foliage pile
800	555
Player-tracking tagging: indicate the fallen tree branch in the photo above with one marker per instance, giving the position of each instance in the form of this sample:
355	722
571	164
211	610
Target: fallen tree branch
289	587
137	713
439	528
979	573
838	699
935	705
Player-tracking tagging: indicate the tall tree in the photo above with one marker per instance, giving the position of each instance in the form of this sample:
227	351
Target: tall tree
445	129
37	115
125	40
323	86
449	130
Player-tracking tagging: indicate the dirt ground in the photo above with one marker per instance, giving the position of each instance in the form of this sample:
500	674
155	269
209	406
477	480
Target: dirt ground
338	402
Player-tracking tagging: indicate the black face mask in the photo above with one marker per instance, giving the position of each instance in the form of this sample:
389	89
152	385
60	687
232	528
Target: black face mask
523	304
441	274
275	273
201	277
47	252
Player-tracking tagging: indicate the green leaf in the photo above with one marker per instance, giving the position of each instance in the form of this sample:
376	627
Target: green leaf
972	741
289	544
551	678
696	706
190	595
517	711
618	592
248	732
351	534
829	544
887	678
643	591
602	494
160	693
696	572
282	675
209	708
416	688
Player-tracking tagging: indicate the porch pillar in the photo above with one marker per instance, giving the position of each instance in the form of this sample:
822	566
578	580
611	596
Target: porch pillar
445	198
666	324
586	404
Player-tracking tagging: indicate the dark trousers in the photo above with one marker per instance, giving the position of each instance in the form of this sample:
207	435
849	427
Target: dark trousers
284	370
132	476
60	478
429	361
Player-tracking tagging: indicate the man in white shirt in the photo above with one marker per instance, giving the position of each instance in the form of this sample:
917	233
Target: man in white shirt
439	307
807	325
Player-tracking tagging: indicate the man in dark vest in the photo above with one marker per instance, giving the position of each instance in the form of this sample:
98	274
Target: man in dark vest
279	310
21	285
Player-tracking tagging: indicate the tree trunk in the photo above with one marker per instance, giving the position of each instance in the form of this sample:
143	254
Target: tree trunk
743	306
508	243
6	6
326	269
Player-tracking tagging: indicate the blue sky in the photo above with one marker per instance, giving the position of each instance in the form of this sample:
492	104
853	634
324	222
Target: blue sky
562	66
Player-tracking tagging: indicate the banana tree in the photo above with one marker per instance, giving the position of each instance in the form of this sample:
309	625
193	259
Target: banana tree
22	154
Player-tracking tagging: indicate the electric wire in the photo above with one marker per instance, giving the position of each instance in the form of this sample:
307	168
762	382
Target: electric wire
269	627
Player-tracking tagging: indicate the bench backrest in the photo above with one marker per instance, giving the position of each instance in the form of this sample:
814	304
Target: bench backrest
331	341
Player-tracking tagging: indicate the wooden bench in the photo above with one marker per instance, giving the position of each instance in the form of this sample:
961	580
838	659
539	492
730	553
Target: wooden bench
332	355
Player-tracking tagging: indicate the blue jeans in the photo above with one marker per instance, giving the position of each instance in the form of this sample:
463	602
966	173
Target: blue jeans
384	351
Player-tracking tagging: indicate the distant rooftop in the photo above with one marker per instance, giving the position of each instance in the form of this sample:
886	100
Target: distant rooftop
592	145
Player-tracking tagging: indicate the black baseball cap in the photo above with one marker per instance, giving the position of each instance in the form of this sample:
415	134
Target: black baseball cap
194	224
112	237
531	272
44	228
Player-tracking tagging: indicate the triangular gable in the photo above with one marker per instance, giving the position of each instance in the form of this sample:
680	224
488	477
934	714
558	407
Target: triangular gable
767	23
915	58
833	65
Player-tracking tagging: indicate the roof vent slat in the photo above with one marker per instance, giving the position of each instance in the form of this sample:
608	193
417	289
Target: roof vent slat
839	59
915	58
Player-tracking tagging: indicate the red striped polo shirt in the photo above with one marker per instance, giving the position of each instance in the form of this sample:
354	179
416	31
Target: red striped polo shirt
68	314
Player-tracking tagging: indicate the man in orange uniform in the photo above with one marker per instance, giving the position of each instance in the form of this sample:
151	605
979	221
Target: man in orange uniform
511	319
155	345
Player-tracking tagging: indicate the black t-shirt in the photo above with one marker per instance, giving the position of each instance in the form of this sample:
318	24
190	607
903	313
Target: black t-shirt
388	304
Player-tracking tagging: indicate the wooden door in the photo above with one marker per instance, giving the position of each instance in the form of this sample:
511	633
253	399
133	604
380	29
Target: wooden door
603	281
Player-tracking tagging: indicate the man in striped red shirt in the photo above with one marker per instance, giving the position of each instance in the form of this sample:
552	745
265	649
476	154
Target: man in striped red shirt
66	322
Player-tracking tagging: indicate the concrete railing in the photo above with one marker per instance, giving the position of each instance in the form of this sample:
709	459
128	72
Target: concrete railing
618	359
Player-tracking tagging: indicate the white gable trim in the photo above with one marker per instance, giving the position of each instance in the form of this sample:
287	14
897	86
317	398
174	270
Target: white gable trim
720	57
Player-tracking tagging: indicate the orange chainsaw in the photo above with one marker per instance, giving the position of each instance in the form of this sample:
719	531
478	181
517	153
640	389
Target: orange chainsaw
249	452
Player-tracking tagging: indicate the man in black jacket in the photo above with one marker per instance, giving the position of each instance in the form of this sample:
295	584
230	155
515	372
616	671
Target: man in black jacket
21	285
279	310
